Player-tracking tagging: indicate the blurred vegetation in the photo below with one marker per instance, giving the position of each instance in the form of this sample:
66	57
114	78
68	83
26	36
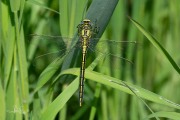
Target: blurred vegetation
38	85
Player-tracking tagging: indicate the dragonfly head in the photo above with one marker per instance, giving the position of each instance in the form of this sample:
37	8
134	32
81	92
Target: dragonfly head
86	21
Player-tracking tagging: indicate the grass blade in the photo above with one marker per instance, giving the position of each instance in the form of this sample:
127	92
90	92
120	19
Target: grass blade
15	5
48	73
42	5
60	101
110	81
23	79
170	115
156	44
2	101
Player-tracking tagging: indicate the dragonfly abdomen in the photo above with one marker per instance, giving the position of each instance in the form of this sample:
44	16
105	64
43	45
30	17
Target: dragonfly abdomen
82	73
82	70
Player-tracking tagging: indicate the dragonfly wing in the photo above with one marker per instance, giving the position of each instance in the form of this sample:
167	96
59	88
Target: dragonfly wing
114	49
47	48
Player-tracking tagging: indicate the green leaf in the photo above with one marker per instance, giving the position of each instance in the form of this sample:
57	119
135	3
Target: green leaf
42	5
60	101
156	44
101	12
23	71
170	115
15	5
9	48
119	85
2	101
48	72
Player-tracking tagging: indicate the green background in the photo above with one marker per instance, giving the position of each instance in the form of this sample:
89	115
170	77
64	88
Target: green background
38	85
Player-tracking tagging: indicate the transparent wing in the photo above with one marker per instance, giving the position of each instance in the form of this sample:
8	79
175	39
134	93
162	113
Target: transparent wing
43	49
114	49
46	48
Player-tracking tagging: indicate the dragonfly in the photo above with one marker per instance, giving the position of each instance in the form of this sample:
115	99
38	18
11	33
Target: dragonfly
86	32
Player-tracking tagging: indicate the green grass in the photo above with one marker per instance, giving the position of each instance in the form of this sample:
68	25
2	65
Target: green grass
45	88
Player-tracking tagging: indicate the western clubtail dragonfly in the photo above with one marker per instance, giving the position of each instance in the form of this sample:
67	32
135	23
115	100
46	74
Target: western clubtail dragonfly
86	42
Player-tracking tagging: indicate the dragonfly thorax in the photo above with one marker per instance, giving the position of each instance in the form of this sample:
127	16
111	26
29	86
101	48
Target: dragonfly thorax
85	29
